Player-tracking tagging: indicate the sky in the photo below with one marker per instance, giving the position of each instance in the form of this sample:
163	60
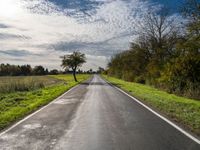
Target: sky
38	32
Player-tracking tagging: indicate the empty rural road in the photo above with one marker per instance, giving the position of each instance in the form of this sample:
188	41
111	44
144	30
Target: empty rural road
94	116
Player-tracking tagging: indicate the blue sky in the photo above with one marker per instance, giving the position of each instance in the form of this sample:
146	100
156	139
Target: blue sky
37	32
88	4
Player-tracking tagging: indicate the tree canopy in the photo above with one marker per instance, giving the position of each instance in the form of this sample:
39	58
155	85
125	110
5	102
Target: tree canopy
163	56
73	61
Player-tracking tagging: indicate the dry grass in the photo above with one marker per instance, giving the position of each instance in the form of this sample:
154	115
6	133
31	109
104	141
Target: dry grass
25	83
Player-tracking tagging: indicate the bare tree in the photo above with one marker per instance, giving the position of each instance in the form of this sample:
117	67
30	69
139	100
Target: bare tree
159	31
191	10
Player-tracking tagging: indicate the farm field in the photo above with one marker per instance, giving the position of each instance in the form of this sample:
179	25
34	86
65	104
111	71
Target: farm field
20	96
26	83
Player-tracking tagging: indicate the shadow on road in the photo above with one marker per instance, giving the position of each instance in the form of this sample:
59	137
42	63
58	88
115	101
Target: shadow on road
95	83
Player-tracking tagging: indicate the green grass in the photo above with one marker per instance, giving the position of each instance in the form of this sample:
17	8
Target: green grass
182	110
16	105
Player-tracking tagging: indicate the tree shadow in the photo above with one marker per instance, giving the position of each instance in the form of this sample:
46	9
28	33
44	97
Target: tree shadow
94	83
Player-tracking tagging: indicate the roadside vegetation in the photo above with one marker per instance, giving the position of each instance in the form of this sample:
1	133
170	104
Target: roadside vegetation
182	110
166	54
25	83
20	96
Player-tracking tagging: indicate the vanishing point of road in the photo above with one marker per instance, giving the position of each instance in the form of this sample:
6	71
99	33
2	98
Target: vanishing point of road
94	116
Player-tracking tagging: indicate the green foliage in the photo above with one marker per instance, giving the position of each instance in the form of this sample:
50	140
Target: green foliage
182	76
180	109
161	56
182	72
73	61
54	72
14	70
39	70
25	70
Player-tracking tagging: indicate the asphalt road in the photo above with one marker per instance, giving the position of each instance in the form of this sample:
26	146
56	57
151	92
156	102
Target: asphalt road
95	116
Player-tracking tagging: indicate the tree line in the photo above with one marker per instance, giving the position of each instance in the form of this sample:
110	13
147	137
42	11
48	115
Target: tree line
166	53
27	70
24	70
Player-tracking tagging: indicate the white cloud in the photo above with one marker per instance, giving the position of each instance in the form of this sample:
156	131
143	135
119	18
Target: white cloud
42	28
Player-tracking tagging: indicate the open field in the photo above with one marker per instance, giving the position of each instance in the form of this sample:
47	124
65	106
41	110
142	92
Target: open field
183	110
26	83
15	105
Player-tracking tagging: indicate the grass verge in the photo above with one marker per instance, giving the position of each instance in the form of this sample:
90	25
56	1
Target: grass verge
16	105
182	110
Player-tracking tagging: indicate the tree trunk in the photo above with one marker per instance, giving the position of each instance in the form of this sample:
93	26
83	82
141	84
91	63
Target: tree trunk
74	74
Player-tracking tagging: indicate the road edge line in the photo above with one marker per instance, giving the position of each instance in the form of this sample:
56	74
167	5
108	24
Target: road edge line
37	111
157	114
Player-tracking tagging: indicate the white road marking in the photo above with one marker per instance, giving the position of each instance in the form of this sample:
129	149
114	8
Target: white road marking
66	101
32	126
142	104
13	126
160	116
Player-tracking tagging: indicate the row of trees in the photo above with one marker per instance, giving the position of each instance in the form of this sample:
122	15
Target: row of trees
27	70
166	53
24	70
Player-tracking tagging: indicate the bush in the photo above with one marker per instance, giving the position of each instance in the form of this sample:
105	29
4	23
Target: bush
140	79
181	76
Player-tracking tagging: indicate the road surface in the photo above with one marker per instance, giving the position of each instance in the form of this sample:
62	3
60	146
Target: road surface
95	116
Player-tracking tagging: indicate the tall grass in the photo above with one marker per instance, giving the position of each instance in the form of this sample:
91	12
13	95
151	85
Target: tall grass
20	84
25	85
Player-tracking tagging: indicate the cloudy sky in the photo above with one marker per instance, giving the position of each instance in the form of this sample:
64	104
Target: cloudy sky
38	32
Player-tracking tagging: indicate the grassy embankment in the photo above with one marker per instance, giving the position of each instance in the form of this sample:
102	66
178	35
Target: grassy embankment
20	96
183	110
